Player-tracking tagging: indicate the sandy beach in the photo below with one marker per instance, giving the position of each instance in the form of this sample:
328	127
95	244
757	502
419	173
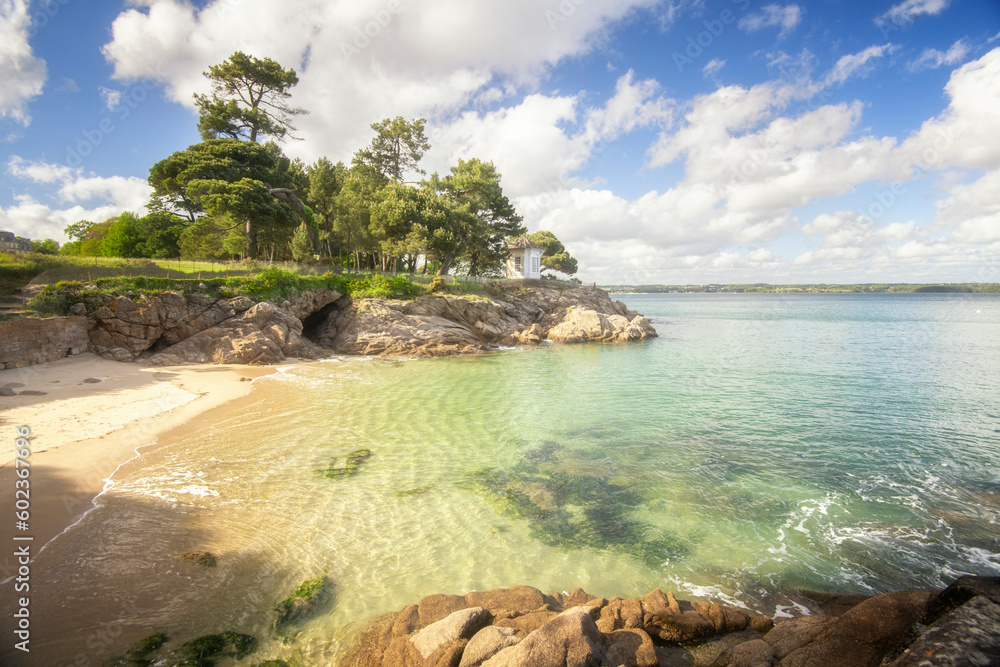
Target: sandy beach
89	415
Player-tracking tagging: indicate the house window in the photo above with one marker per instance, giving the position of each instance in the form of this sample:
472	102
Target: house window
518	264
534	264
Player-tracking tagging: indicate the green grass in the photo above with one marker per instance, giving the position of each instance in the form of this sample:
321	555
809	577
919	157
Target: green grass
270	284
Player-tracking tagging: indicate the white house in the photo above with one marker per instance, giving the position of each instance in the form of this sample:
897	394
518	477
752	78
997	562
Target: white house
525	260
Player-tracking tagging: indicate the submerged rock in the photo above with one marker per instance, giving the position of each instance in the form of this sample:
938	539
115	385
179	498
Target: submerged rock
303	601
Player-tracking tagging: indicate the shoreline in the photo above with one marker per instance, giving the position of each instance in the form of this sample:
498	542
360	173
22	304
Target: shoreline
82	433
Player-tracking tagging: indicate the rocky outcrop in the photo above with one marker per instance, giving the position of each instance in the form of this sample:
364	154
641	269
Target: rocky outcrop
522	626
171	328
438	326
28	341
264	334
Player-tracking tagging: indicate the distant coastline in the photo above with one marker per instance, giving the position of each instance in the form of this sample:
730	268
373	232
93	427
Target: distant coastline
817	288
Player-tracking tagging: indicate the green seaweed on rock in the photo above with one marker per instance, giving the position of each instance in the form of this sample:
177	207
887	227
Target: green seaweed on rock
202	651
138	654
352	465
575	506
302	601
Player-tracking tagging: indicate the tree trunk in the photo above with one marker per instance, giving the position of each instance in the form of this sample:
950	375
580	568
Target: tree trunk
251	244
446	264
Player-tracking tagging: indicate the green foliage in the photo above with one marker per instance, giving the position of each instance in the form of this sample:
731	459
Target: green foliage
205	237
124	237
271	283
302	248
78	230
555	257
383	287
46	247
396	149
249	99
226	177
481	217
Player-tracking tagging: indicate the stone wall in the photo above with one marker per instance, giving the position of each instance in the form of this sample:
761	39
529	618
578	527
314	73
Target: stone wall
28	341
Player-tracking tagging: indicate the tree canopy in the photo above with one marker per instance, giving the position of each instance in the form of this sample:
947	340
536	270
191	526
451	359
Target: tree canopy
556	257
249	100
230	177
396	149
235	195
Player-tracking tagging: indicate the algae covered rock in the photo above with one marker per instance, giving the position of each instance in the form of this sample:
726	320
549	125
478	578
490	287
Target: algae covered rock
352	465
303	601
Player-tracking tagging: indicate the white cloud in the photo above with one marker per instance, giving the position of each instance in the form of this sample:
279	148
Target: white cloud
856	63
529	143
713	67
973	210
750	158
769	16
112	98
906	11
956	137
67	85
365	62
23	75
933	59
92	197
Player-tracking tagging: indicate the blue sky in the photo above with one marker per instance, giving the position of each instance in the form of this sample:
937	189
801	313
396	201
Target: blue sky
671	141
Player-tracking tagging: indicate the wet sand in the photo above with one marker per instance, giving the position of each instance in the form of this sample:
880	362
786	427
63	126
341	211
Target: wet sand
88	416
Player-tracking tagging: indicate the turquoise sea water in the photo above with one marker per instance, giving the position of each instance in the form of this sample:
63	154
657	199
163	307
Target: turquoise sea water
762	443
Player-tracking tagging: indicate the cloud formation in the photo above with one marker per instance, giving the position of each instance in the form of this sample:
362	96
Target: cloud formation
23	75
79	196
770	16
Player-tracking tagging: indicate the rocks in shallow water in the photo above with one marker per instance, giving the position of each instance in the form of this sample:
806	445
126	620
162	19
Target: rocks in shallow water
572	503
569	630
523	626
303	601
203	558
351	467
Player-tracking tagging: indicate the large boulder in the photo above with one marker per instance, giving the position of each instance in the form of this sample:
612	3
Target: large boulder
584	325
264	334
570	639
462	624
487	643
969	635
864	635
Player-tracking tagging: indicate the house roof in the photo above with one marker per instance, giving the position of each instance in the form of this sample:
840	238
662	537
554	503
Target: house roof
523	242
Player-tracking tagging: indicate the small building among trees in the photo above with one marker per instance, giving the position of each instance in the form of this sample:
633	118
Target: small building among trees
12	243
525	260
